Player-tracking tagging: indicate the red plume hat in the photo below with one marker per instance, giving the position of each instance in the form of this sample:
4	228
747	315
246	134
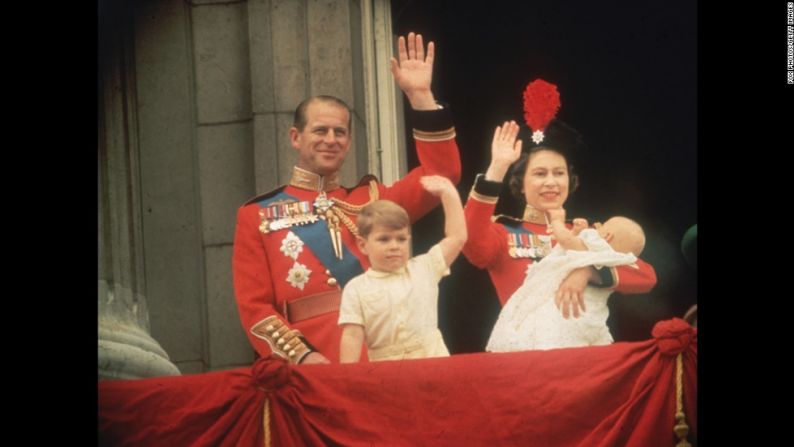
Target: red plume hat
541	103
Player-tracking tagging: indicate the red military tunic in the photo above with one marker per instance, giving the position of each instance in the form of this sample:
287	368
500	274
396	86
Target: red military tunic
273	268
489	247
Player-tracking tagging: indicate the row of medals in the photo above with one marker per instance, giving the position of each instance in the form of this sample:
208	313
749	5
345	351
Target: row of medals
321	206
529	251
301	214
285	222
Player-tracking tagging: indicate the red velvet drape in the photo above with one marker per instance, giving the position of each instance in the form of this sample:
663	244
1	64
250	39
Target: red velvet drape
617	395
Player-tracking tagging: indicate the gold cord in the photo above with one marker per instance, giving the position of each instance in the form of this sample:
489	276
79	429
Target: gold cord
356	209
341	207
681	429
266	422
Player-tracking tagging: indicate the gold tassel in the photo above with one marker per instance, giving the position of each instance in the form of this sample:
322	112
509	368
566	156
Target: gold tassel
333	230
346	220
681	429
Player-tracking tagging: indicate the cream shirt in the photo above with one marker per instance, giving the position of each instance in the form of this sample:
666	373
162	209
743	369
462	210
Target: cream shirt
399	310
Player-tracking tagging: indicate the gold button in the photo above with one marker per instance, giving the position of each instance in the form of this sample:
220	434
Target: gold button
331	281
328	272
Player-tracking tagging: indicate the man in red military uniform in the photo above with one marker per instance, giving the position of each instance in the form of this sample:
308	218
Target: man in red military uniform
294	247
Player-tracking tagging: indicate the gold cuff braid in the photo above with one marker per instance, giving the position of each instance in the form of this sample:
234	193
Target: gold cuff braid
482	197
282	340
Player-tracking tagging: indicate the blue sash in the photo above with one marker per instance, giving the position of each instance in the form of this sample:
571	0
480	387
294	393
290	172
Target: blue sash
317	237
519	229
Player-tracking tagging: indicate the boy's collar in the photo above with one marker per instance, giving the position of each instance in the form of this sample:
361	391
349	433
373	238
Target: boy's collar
378	274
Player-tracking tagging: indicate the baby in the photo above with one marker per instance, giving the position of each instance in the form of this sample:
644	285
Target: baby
531	320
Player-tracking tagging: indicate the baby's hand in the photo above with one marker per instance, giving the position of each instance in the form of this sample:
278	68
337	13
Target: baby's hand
437	185
579	224
556	215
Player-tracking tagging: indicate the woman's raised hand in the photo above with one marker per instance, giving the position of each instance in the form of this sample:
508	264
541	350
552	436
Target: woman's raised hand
505	150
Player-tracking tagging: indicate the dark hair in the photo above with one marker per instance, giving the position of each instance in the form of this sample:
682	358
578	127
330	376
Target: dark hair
519	170
299	120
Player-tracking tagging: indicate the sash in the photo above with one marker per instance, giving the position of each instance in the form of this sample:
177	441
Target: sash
317	237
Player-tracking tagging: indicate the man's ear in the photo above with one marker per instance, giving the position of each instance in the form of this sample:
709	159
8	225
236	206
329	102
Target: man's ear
608	237
362	244
294	137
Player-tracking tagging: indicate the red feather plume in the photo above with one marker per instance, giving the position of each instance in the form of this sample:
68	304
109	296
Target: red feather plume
541	103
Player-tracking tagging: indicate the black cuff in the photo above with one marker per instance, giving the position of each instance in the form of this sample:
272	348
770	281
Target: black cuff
308	351
607	280
431	120
486	187
306	342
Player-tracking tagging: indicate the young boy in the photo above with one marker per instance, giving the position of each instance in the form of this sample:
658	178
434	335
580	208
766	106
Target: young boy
531	318
393	306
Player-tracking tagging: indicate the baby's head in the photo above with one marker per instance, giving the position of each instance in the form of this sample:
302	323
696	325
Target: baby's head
384	233
623	234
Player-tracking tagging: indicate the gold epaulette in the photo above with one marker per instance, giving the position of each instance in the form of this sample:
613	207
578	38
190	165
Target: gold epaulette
374	194
283	341
366	180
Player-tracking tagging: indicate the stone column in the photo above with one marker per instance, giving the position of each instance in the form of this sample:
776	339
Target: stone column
196	102
125	348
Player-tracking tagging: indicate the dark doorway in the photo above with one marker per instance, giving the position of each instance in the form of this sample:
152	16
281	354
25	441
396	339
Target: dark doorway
626	72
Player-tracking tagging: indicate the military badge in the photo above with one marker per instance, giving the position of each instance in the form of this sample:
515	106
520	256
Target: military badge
298	275
542	245
322	204
528	245
325	210
281	215
291	245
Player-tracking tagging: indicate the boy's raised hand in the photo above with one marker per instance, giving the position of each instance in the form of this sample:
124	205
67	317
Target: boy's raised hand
437	185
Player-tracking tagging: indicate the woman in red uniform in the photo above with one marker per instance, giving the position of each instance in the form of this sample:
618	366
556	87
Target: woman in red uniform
506	246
